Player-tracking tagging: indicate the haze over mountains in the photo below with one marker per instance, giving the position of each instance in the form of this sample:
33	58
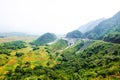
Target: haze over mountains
83	29
107	26
98	29
89	26
14	34
101	29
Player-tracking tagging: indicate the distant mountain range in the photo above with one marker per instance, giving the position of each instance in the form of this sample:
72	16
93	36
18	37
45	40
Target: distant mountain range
13	34
103	29
106	27
89	26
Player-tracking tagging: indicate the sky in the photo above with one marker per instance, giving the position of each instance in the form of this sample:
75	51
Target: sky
56	16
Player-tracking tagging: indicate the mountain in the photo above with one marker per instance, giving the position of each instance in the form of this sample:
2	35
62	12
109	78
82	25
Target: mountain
44	39
74	34
86	59
89	26
112	37
106	27
13	34
58	45
98	61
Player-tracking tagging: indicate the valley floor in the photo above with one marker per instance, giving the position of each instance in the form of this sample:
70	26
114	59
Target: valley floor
83	60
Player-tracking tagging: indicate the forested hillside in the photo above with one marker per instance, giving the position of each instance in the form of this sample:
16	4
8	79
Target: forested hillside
90	25
99	60
74	34
106	27
94	55
44	39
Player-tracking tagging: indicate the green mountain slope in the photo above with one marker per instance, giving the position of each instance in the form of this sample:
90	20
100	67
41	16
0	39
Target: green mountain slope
99	61
74	34
85	60
58	45
112	37
89	26
44	39
108	26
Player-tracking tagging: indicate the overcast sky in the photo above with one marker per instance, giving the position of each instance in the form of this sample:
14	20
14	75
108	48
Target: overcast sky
57	16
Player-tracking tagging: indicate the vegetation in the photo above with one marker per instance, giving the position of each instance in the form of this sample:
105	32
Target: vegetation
19	54
44	39
85	59
3	59
58	45
6	48
108	26
13	45
99	60
90	25
113	37
74	34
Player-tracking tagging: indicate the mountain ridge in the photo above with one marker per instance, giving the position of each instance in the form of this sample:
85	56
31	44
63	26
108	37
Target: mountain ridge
105	27
90	25
44	39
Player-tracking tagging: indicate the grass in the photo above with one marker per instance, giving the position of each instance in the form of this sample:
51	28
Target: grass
35	58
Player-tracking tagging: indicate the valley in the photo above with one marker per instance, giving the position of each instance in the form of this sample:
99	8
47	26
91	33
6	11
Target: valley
92	55
81	60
